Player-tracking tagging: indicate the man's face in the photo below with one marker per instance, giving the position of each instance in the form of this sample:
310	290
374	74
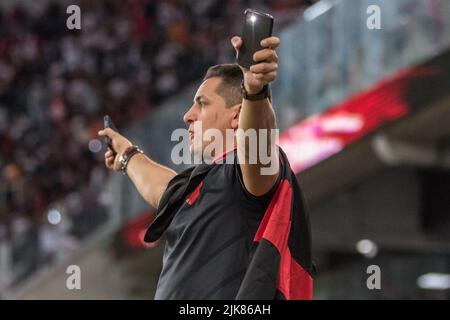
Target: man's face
209	109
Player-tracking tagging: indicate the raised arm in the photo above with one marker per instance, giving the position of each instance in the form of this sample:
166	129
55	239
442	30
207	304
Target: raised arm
258	115
149	178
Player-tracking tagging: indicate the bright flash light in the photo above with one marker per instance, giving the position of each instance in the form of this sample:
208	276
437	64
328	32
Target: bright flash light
54	217
252	19
367	248
434	281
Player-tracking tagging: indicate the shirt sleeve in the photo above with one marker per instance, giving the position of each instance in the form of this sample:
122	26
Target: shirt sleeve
262	200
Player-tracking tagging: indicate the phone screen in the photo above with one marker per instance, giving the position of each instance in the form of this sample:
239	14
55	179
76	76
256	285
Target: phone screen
257	26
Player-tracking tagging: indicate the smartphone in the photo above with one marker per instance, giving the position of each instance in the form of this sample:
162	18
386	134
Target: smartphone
257	26
108	123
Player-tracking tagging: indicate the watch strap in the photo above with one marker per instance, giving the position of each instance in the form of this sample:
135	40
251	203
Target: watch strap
263	94
127	155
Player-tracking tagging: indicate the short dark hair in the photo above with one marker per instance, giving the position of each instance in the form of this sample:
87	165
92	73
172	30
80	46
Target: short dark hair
230	87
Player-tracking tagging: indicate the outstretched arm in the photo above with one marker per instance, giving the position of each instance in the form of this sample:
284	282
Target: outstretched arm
149	178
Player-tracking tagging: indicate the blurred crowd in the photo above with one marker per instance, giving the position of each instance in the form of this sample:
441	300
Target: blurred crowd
56	84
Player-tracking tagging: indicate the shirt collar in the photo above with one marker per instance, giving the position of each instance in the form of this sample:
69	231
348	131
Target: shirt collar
223	155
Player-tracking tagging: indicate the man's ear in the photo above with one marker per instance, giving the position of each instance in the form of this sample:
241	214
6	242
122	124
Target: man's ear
235	114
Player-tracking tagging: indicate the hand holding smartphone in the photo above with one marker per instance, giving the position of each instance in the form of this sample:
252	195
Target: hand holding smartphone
108	123
257	27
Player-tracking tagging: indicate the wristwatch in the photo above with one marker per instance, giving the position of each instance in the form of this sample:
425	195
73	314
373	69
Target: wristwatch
125	157
263	94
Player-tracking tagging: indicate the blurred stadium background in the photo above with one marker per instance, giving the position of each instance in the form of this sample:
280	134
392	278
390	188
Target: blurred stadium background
365	119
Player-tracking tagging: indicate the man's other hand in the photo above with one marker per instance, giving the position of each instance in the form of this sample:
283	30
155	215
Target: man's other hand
119	144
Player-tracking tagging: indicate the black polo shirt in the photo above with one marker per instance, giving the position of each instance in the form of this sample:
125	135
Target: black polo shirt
210	238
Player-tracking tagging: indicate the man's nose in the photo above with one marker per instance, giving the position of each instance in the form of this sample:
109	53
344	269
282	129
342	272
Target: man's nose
189	116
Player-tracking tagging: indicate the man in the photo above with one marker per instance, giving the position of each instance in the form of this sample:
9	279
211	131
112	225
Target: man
214	216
